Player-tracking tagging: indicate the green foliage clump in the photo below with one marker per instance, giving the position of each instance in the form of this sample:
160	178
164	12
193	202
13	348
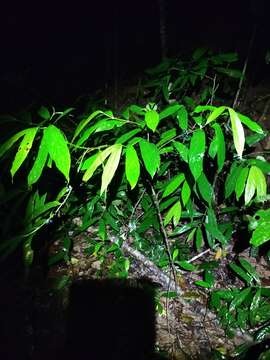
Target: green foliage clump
176	174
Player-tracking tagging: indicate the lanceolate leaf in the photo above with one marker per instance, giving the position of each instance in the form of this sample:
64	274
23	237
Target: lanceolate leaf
125	137
8	144
238	132
205	188
252	125
255	182
110	167
23	150
196	153
101	157
58	149
150	156
168	111
173	214
39	163
182	149
173	185
84	122
132	166
182	116
241	182
231	179
185	193
215	114
151	119
250	186
221	148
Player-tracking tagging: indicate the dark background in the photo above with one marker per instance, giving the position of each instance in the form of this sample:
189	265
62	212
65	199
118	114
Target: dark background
54	51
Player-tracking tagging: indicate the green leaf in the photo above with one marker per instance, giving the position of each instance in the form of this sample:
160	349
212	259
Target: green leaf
44	113
186	265
240	272
203	284
182	117
239	298
168	111
84	122
98	160
182	150
261	234
217	146
58	149
205	188
252	125
23	150
166	136
198	239
151	119
231	179
251	184
196	153
185	193
241	182
132	166
150	156
250	269
212	226
173	184
198	53
238	132
125	137
215	114
234	73
173	214
8	144
110	167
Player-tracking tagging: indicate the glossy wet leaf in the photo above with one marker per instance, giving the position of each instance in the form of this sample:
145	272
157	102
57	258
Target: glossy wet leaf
182	150
241	273
196	153
261	234
239	298
250	269
182	117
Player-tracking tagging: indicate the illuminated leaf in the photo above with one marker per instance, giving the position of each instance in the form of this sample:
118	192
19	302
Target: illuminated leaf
185	193
58	149
110	167
241	182
238	132
39	163
150	156
182	116
196	153
168	111
23	150
182	150
132	166
215	114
